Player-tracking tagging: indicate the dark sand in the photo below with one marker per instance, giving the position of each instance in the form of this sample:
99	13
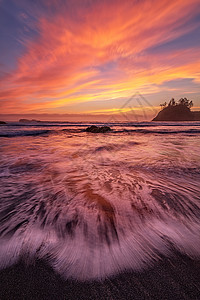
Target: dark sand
171	278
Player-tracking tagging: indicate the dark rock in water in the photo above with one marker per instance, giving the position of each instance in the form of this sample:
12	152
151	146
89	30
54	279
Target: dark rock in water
2	122
95	129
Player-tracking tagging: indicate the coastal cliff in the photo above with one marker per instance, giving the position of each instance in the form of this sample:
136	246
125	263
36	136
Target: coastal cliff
179	111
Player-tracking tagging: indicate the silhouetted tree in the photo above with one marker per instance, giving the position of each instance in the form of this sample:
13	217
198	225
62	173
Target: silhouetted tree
190	104
172	102
163	105
186	102
181	101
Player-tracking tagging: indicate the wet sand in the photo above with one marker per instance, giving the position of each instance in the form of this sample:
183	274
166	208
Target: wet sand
174	278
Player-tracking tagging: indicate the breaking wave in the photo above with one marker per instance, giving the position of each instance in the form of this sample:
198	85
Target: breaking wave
24	133
96	205
18	129
160	131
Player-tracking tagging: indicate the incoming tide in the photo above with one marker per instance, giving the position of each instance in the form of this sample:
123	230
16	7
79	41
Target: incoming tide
93	205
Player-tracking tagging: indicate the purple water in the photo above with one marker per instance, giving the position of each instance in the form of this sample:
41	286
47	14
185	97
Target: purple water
94	205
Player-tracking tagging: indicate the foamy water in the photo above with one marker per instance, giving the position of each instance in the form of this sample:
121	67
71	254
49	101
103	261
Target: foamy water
94	205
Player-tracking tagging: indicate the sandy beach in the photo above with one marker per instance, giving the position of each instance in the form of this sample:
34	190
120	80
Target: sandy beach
177	277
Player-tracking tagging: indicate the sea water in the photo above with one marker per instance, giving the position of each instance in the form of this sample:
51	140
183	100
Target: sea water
93	205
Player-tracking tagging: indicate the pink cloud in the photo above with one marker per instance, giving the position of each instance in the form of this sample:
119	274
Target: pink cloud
62	60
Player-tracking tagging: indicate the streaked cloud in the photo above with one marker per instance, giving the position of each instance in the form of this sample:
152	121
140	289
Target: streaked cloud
76	52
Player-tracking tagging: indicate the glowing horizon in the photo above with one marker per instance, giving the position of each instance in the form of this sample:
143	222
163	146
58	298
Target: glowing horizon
89	57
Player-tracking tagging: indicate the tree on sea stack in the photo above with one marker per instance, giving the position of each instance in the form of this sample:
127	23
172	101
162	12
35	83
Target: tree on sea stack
181	101
177	111
172	102
163	105
186	102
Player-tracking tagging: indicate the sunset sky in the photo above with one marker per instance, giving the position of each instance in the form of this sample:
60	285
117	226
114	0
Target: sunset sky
88	57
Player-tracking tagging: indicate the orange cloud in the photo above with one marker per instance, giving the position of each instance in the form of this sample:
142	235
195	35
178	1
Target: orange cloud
99	51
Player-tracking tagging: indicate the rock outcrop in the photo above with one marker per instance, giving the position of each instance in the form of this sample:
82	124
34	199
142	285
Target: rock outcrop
96	129
177	113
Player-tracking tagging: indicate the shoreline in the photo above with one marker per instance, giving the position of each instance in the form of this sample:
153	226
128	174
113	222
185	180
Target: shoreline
174	278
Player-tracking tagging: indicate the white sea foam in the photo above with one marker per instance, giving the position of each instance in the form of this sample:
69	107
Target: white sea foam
93	206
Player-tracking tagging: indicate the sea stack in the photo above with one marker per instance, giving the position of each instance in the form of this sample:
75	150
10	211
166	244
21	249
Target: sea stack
179	111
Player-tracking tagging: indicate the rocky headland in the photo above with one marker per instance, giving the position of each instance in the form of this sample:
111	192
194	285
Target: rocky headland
177	111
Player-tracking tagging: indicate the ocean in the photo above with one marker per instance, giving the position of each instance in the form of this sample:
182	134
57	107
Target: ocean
94	205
